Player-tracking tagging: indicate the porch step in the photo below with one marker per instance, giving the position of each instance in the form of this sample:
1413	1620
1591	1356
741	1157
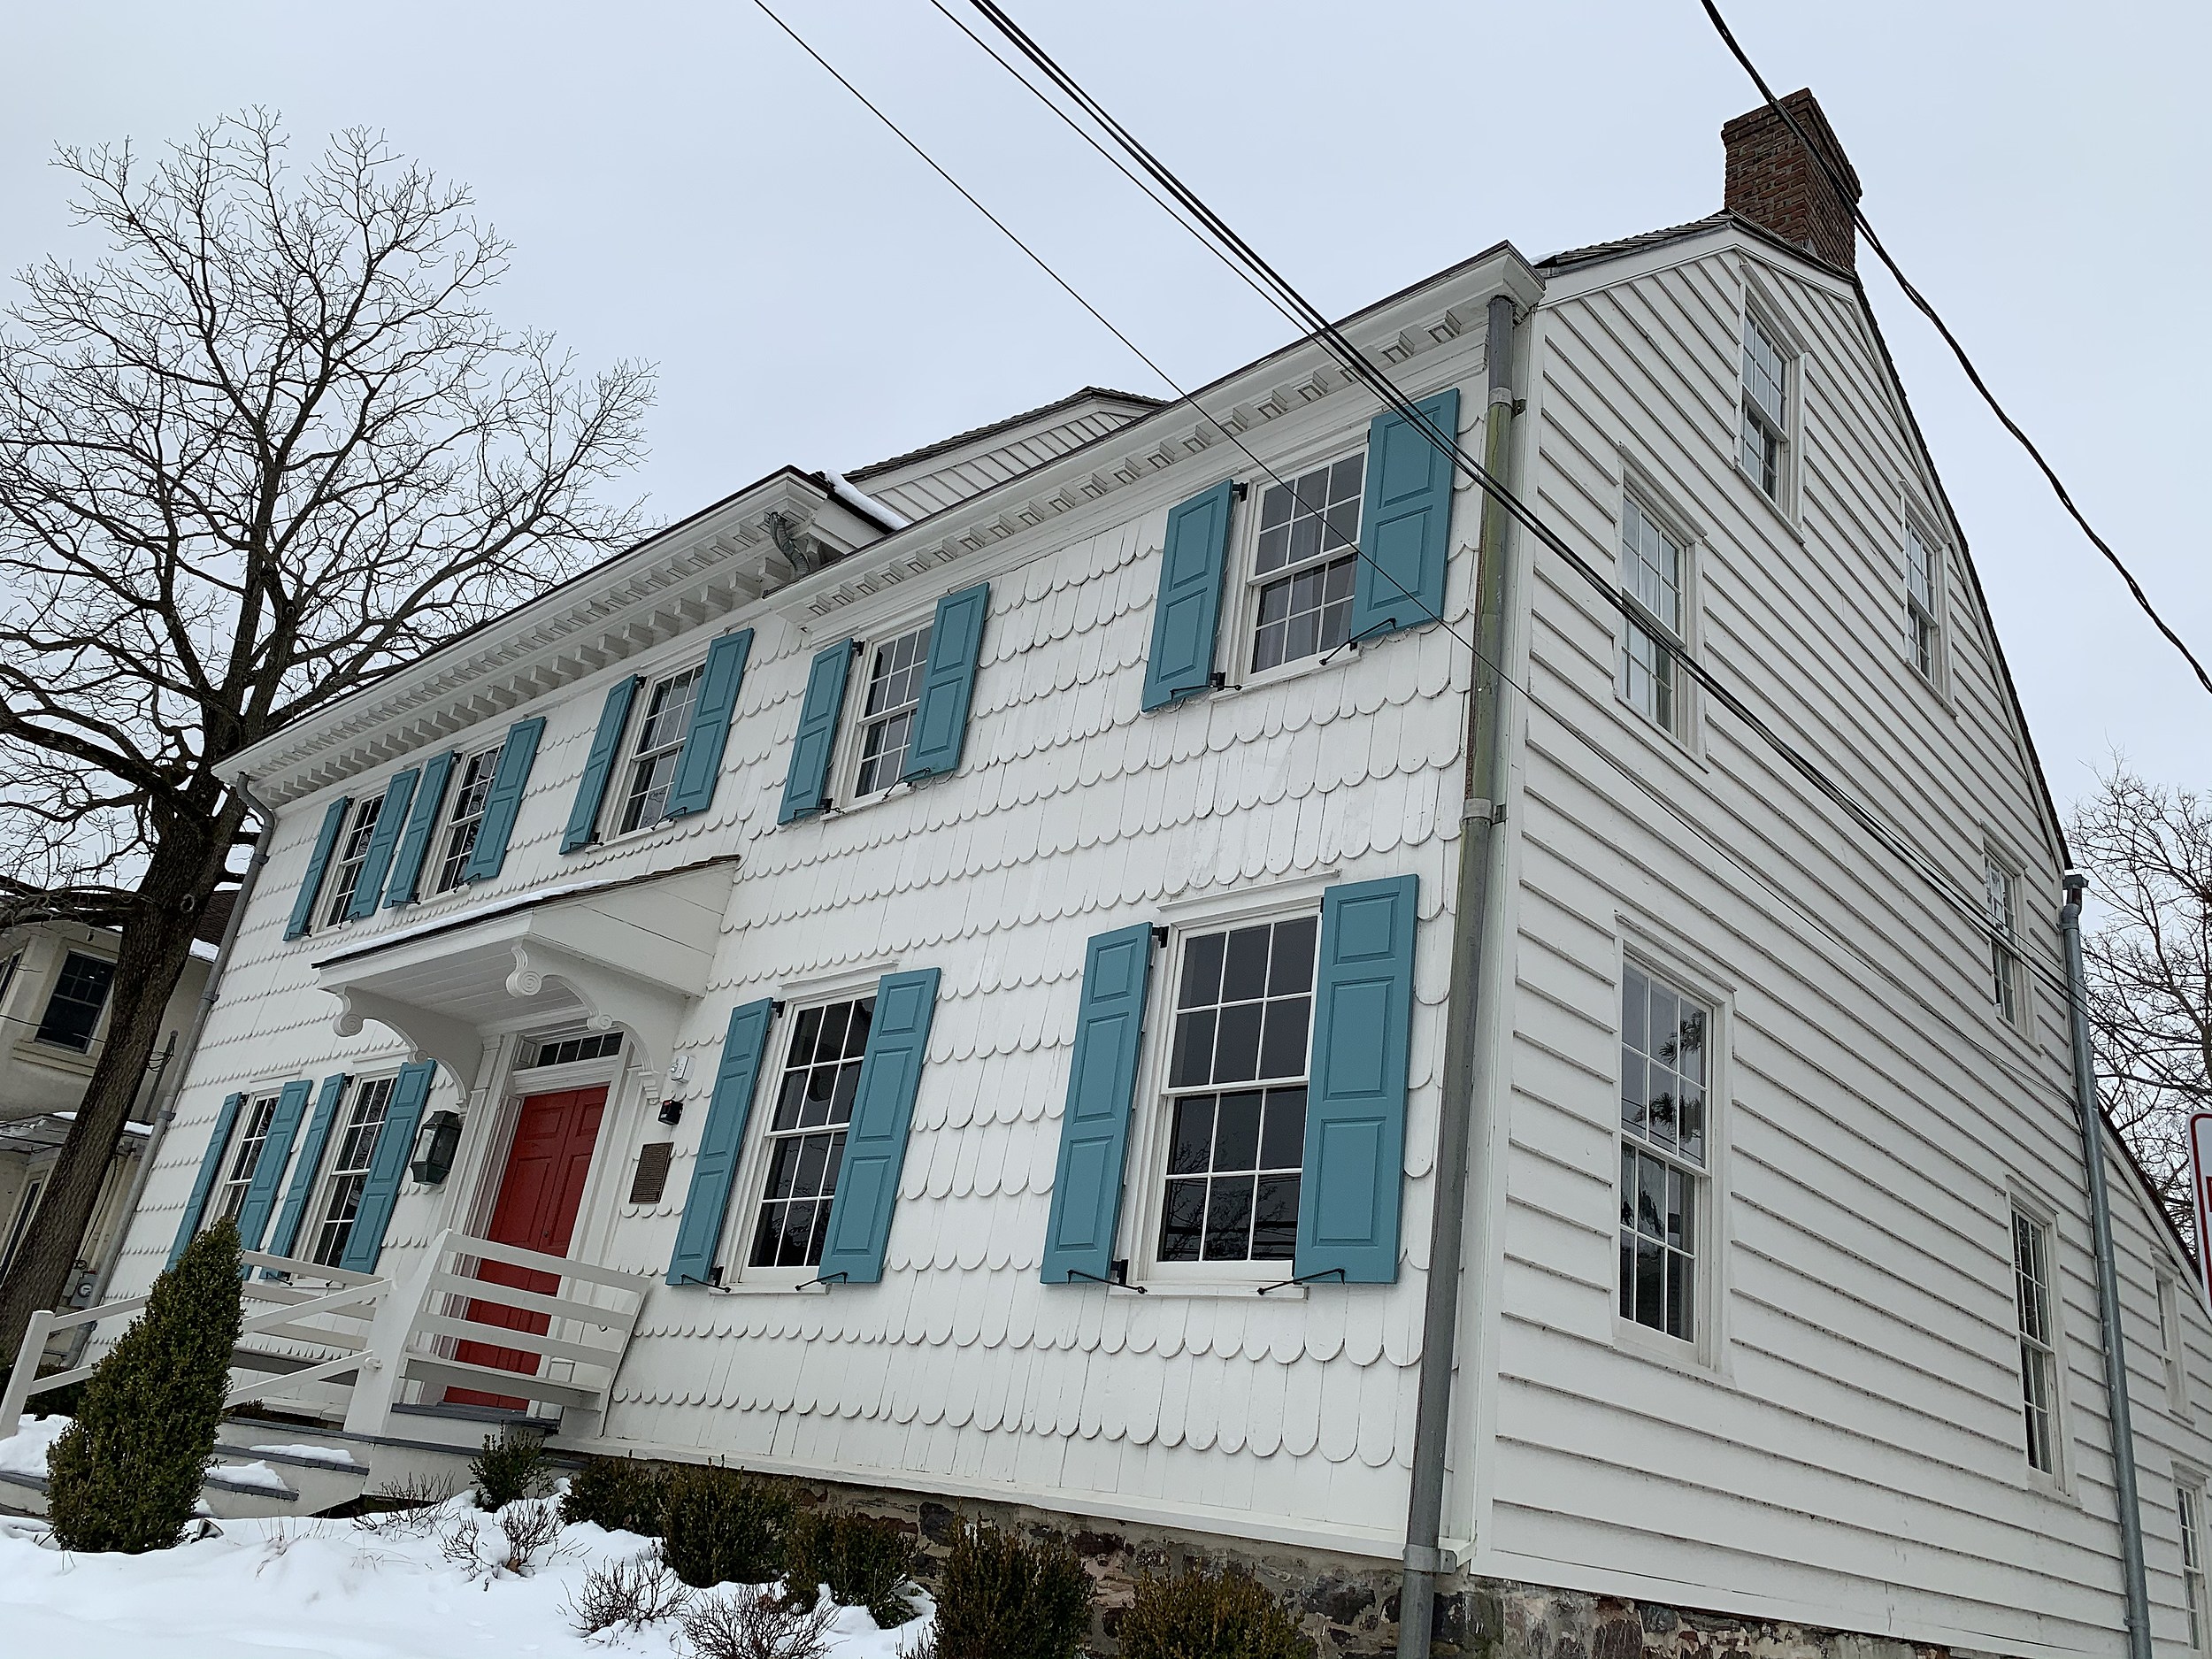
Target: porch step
244	1483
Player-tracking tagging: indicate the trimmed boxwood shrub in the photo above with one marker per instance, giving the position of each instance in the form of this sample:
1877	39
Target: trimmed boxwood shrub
511	1465
126	1474
622	1494
722	1526
1223	1614
865	1562
1004	1596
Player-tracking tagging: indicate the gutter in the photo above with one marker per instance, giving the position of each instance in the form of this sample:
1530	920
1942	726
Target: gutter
1483	812
2116	1364
867	506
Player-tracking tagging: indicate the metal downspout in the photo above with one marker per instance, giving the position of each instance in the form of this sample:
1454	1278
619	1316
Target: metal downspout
2116	1364
1485	788
172	1080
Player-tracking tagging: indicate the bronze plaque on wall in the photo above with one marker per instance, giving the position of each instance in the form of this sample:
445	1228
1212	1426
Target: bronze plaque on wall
651	1178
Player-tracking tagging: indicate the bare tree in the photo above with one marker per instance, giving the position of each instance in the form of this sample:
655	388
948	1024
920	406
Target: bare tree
2148	963
269	446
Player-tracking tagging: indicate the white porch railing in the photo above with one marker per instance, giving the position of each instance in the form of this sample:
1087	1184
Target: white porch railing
351	1298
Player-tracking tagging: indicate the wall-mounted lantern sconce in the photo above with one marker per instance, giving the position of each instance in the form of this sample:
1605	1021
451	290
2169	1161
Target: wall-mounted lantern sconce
672	1111
434	1147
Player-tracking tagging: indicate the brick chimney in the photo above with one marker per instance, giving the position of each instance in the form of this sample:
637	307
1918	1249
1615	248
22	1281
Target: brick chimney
1772	182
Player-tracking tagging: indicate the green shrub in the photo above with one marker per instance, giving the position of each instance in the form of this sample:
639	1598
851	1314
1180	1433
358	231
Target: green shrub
511	1465
721	1526
1210	1614
865	1562
1003	1596
126	1474
622	1494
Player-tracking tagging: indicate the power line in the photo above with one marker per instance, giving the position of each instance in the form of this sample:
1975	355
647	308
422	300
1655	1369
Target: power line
1974	375
1975	914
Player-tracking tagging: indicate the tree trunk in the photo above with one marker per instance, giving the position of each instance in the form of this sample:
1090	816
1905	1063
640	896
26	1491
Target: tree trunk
183	872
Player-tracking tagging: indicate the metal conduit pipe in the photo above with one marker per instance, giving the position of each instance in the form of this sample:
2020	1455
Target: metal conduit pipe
1485	791
2116	1362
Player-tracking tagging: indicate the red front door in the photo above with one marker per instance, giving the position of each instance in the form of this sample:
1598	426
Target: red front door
538	1199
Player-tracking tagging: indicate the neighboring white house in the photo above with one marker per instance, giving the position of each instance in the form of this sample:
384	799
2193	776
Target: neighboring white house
972	939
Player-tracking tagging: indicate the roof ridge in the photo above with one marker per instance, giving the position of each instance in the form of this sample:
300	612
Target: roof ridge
988	428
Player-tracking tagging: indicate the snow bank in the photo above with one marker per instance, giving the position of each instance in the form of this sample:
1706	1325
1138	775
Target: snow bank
257	1475
292	1589
336	1457
24	1452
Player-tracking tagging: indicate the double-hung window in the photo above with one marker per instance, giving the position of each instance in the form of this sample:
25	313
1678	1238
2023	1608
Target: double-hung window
1663	1078
2000	893
2039	1338
805	1135
1235	1099
1651	579
1765	415
658	745
25	1208
897	667
1304	564
80	994
348	1171
2172	1345
2190	1501
463	817
245	1152
1922	638
353	853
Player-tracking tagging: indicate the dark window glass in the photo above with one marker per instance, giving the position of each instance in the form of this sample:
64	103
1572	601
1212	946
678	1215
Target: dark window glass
806	1131
72	1012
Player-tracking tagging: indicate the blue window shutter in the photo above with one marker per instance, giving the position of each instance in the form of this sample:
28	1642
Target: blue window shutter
940	723
591	789
806	786
211	1165
1355	1108
503	800
875	1141
390	818
268	1168
387	1167
1101	1088
310	886
1405	521
307	1167
1187	613
700	762
421	823
721	1143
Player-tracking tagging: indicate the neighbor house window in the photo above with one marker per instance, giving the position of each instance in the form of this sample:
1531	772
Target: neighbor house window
7	974
1236	1092
463	817
32	1191
806	1132
353	853
1664	1077
253	1133
72	1012
2189	1502
660	741
1304	562
349	1170
2173	1344
2038	1340
2000	893
1765	407
896	669
1921	634
1651	577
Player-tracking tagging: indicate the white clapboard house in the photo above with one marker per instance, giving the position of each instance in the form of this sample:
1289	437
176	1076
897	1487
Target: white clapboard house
934	980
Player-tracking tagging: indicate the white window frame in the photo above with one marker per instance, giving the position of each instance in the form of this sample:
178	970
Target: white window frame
633	753
1244	604
2173	1341
1153	1127
98	1032
8	971
1638	498
350	853
458	821
26	1212
1700	1174
2025	1206
2189	1550
229	1181
2007	964
1916	532
335	1170
1759	313
852	737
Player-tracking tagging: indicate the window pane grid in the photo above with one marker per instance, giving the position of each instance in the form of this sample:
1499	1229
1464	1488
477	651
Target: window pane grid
2031	1281
469	797
2000	894
1244	1015
1764	409
352	857
72	1012
245	1153
2190	1502
660	742
806	1133
1305	554
1920	624
1647	676
887	720
1663	1069
349	1169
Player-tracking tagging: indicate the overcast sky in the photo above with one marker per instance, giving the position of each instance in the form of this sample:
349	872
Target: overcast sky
683	187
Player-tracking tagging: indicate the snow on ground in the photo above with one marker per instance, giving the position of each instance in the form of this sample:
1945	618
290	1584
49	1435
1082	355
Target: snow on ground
24	1452
336	1457
292	1589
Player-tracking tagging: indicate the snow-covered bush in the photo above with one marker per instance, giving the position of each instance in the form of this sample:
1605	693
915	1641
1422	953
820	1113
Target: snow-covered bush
126	1475
626	1595
865	1562
746	1624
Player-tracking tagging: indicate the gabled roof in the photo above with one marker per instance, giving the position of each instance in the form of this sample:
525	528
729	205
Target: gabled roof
994	428
1621	247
